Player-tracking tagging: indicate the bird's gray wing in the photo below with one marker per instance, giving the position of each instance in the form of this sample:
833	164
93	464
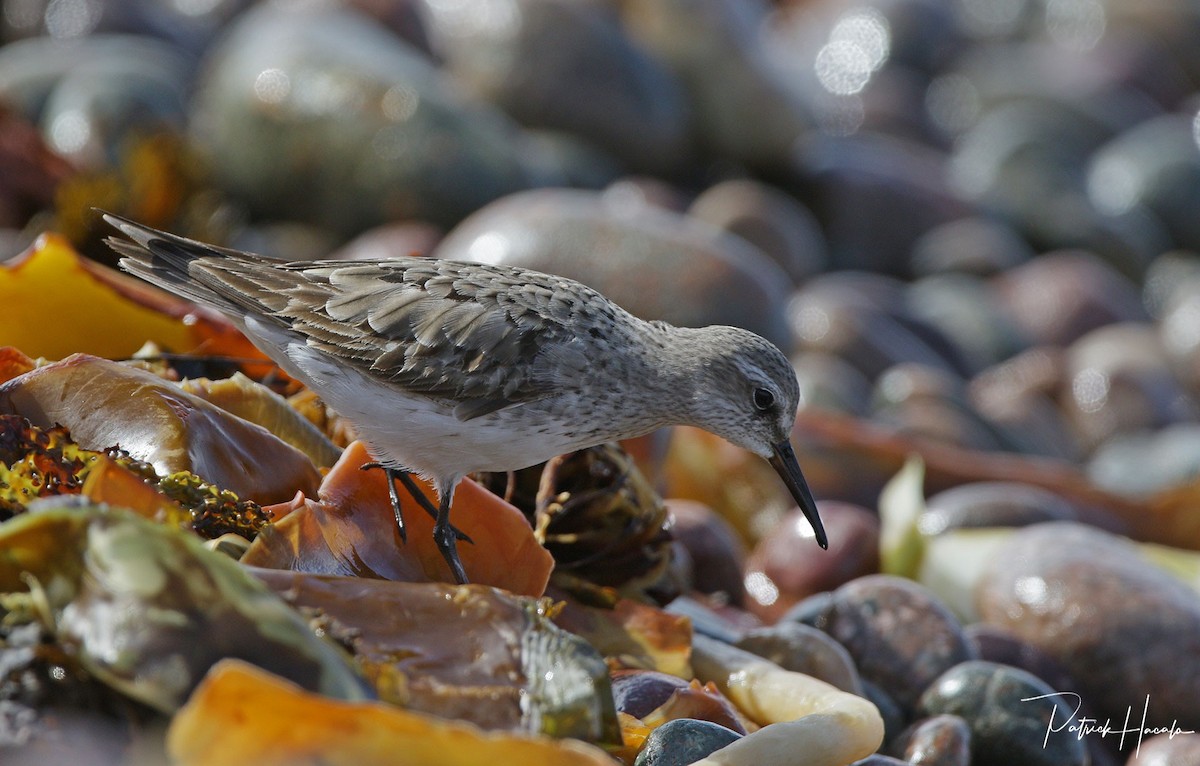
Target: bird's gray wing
484	337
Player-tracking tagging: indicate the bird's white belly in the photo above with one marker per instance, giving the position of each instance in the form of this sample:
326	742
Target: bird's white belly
412	431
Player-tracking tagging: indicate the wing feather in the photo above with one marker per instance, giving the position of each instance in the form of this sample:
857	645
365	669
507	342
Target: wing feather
483	337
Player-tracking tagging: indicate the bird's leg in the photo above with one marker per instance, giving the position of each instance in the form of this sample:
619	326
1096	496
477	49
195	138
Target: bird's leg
446	537
395	498
423	501
417	495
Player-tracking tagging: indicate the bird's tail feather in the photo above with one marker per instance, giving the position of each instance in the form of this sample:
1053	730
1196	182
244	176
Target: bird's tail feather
165	260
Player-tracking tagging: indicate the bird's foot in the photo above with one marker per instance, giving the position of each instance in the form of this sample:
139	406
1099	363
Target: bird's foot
446	537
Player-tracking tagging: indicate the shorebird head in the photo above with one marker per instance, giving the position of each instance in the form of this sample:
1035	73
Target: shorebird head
746	392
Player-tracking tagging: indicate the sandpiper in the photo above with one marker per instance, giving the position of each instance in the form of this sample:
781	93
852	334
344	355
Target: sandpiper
447	368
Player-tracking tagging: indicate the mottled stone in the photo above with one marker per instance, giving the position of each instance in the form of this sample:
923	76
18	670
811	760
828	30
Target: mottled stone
1061	296
1141	464
690	36
714	619
715	551
1121	626
931	403
996	644
389	241
567	66
1171	277
1118	381
1008	725
899	635
287	240
803	649
876	196
894	716
396	141
93	95
1167	750
774	222
1020	396
941	740
992	504
828	382
778	574
863	67
861	318
964	309
1026	154
976	246
1154	168
683	741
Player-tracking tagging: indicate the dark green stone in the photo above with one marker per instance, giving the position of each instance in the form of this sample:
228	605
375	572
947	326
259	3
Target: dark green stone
684	741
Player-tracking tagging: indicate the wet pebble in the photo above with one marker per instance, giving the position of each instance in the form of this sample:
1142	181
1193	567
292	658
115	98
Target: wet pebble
714	619
390	241
1121	626
931	403
973	245
996	644
689	36
941	740
713	547
91	96
899	634
656	264
683	741
861	318
895	717
876	196
964	309
396	141
992	504
1154	168
1120	382
804	649
569	67
1171	277
643	693
287	240
1020	396
1060	296
1141	464
769	219
828	382
779	573
1166	750
1006	725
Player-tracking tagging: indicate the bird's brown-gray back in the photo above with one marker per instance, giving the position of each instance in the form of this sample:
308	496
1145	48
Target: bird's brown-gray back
484	336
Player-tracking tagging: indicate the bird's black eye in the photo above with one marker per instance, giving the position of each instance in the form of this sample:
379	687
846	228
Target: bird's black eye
763	398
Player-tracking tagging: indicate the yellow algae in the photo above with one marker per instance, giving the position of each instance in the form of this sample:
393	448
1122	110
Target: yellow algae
56	303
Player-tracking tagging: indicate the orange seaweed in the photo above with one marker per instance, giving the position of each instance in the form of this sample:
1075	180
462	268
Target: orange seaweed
110	483
242	715
13	362
351	530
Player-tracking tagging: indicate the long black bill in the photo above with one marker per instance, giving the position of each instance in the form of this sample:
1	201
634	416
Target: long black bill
784	463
